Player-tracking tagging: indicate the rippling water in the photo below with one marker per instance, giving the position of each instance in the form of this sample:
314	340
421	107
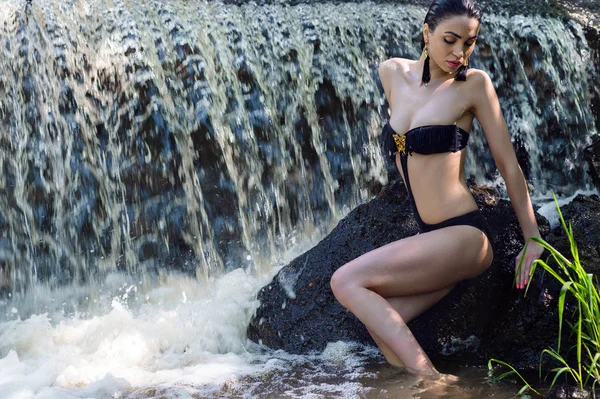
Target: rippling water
179	338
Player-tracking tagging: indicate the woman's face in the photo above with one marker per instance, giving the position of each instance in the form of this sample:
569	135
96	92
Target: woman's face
452	42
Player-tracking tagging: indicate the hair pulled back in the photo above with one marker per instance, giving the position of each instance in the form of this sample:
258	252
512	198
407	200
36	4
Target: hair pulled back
441	10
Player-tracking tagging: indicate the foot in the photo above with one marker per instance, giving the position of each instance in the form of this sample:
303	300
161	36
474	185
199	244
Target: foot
444	378
439	384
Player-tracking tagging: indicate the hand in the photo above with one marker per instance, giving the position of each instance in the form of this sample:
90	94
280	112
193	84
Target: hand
534	251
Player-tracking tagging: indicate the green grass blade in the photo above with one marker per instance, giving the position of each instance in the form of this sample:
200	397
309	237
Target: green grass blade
561	307
559	372
583	321
513	371
593	368
580	323
560	215
560	259
550	270
560	359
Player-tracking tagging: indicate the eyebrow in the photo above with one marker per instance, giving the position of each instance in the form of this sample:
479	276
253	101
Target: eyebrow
460	37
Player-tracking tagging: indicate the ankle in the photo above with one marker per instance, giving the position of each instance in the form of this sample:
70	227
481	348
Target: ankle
428	373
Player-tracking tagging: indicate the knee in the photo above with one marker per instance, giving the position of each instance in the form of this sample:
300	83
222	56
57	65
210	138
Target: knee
337	283
342	287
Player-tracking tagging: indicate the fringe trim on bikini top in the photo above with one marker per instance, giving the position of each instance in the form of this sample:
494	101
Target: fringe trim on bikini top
426	140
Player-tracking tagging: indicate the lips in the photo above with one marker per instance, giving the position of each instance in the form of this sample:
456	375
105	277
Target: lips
454	64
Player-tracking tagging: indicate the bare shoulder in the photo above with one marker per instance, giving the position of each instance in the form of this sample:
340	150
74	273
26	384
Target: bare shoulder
395	63
480	88
392	74
478	79
393	68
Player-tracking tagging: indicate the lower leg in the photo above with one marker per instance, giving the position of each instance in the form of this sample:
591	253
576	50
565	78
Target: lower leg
408	307
389	354
408	267
378	315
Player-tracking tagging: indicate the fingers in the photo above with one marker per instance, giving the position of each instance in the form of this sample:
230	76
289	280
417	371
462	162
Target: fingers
525	271
518	271
522	274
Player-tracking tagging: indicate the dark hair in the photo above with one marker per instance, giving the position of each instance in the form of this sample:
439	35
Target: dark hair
440	10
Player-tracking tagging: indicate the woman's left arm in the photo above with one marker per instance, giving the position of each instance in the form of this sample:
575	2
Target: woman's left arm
486	109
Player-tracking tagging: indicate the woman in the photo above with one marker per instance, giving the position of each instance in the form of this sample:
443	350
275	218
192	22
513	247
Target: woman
433	101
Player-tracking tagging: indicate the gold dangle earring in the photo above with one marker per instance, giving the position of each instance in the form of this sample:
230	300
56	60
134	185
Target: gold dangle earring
426	74
461	74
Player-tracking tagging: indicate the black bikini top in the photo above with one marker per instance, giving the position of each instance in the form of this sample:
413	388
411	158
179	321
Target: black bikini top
429	139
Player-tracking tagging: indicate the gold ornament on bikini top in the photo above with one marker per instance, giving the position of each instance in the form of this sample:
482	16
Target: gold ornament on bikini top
400	142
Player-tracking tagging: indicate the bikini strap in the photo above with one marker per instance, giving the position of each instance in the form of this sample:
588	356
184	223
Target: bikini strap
404	163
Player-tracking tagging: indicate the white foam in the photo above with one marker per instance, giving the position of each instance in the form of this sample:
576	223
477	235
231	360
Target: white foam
548	209
197	339
172	338
166	346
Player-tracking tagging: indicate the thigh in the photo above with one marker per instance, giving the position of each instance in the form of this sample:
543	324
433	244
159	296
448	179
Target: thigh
421	264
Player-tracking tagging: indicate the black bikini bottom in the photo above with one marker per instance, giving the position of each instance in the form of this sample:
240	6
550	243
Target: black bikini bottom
474	218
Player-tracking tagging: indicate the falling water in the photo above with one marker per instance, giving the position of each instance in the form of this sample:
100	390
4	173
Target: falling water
146	138
203	137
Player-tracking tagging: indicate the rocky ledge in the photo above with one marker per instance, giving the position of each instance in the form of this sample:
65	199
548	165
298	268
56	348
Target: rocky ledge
482	318
592	157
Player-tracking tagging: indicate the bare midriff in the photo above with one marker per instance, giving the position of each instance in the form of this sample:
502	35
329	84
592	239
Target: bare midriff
438	185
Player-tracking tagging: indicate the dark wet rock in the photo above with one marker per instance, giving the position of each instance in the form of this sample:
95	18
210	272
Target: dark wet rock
298	312
583	213
481	318
568	392
592	157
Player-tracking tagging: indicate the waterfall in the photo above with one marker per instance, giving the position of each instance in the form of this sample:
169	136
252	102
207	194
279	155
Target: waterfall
201	137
